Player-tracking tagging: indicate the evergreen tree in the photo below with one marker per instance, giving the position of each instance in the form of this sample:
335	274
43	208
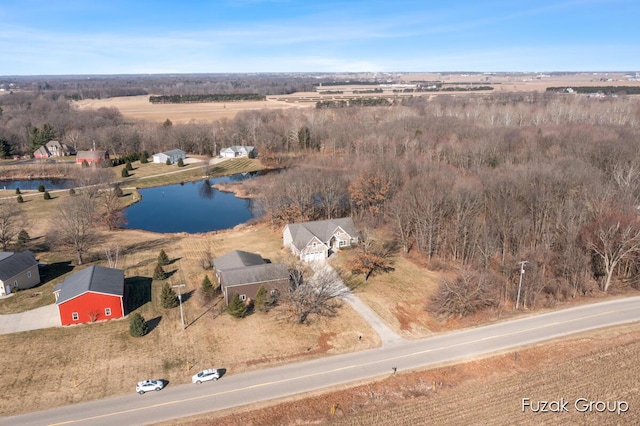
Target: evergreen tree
124	173
144	160
261	299
237	307
20	199
180	162
168	162
163	259
18	191
23	239
128	166
138	327
72	192
206	288
158	273
168	297
47	196
41	188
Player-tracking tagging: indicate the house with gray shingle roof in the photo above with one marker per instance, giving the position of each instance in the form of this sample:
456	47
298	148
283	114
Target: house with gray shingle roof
243	273
239	151
311	241
18	271
173	155
96	293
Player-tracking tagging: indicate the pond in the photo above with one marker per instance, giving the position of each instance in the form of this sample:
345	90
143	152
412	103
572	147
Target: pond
190	207
32	184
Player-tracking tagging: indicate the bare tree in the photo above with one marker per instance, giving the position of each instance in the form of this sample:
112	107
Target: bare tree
465	294
318	295
612	237
12	221
113	255
74	225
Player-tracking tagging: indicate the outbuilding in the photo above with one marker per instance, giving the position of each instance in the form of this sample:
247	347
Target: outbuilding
172	155
93	294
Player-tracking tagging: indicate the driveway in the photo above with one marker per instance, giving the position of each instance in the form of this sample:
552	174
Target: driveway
386	334
44	317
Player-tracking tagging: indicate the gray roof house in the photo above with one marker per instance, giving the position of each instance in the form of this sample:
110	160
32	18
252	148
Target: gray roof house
311	241
95	293
18	271
243	273
239	151
59	149
174	155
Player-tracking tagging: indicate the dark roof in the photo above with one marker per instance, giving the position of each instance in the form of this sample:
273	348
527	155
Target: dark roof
303	232
254	274
173	152
96	279
11	264
237	259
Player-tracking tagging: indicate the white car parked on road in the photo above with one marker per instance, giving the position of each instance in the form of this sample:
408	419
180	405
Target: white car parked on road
149	385
204	375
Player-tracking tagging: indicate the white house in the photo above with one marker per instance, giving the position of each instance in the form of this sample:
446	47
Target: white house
174	155
239	151
316	240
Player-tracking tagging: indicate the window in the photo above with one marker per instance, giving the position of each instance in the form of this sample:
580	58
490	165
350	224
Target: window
107	312
315	244
75	316
15	284
28	274
343	243
243	297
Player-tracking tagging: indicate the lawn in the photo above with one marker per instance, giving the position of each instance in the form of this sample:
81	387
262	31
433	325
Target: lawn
86	362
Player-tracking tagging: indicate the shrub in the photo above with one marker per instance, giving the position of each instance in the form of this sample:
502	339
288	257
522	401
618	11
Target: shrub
20	199
117	190
124	173
72	192
158	273
41	188
261	299
180	162
168	162
17	190
144	160
237	308
128	166
23	239
168	297
163	259
137	325
47	196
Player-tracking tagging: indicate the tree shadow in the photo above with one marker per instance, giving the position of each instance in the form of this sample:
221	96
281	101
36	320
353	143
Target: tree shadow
137	292
153	323
145	245
169	274
172	261
186	296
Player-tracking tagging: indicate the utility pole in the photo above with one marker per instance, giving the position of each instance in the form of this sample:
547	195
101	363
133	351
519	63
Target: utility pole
522	263
180	301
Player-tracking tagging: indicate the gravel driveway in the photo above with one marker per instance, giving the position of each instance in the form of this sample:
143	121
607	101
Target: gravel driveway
44	317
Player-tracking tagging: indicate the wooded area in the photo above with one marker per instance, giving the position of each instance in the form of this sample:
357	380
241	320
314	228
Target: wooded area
475	182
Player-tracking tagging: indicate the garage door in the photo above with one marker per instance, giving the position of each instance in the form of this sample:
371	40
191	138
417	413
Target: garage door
310	257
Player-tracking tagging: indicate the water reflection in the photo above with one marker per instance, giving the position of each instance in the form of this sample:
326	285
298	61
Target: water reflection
206	190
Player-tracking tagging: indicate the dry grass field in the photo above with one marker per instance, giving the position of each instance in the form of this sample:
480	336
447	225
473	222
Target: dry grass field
139	107
599	366
86	362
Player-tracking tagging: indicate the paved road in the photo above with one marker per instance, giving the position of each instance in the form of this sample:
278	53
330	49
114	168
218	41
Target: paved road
44	317
293	379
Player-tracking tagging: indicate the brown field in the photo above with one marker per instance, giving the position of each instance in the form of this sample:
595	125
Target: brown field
139	107
599	366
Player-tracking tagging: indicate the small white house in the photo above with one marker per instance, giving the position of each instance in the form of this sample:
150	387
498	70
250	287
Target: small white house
239	151
174	155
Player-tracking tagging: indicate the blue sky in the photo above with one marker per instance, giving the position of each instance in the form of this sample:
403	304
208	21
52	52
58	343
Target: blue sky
225	36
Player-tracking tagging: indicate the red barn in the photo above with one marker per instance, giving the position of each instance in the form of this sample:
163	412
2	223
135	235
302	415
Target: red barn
93	294
92	157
